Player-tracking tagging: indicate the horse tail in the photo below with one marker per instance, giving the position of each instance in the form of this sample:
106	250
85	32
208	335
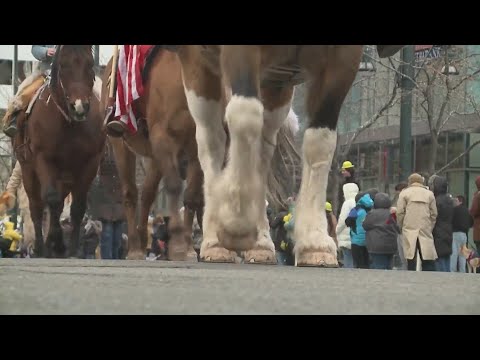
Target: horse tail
286	164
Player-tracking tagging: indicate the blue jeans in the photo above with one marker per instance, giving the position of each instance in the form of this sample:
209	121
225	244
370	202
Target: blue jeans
382	261
443	264
459	239
111	239
281	257
401	263
347	258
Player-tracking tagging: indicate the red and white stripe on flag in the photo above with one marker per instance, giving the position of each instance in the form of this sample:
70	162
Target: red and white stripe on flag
131	60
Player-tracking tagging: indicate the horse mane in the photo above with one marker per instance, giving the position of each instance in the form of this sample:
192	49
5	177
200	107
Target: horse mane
80	49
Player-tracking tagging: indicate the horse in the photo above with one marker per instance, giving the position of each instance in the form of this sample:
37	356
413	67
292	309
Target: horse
169	141
59	146
166	136
262	79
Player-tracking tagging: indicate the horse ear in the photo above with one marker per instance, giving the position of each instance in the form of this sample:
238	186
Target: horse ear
388	50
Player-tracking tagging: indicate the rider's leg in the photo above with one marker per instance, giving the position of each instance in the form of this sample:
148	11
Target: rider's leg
27	90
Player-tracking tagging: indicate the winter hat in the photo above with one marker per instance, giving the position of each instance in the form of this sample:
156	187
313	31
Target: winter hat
415	178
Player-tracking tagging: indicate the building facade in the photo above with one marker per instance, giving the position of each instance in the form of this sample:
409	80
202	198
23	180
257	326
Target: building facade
445	102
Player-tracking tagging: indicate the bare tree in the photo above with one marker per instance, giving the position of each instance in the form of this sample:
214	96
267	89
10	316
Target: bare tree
365	85
440	91
440	87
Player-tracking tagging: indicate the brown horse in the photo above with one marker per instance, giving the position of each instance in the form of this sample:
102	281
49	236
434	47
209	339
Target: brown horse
262	79
59	146
167	138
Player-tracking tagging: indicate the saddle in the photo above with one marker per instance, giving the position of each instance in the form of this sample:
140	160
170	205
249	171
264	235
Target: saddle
36	95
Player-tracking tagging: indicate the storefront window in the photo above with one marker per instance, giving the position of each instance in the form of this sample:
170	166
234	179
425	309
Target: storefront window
456	146
423	156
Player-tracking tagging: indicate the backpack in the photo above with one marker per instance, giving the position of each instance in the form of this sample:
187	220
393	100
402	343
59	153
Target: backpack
351	220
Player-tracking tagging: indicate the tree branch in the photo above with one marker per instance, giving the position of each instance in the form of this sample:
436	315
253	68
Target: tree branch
393	68
390	103
458	157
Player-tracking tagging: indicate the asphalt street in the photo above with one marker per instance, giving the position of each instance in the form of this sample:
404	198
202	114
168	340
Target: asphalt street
65	286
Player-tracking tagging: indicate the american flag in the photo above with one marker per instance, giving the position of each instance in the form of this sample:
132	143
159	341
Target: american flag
131	59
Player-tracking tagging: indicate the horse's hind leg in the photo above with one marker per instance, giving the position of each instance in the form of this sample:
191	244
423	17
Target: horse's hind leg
193	195
204	91
149	191
55	245
77	212
165	151
277	103
331	81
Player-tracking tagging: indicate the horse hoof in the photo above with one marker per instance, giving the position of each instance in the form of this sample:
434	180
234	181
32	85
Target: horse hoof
260	256
218	255
316	259
192	256
136	255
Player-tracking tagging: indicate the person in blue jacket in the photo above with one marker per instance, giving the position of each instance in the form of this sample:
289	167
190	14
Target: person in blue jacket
357	232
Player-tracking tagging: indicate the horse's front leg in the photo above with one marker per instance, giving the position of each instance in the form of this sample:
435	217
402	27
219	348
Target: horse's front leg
125	161
332	77
33	190
52	195
204	93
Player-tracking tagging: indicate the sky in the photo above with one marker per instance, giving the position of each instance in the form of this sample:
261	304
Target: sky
24	53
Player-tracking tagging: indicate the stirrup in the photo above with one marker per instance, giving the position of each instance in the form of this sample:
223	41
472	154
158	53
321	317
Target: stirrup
115	128
11	129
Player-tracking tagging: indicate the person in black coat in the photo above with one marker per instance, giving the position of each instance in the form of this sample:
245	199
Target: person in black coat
462	222
443	230
381	233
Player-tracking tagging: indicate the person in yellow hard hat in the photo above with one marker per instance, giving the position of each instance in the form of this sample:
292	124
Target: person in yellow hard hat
348	174
331	221
348	171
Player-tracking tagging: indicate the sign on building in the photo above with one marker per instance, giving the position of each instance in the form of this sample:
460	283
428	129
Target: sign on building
424	52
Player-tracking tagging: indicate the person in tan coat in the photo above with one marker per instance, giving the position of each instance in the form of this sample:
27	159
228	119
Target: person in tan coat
15	188
416	217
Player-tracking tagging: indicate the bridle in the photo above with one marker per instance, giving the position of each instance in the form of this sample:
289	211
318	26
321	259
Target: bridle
51	86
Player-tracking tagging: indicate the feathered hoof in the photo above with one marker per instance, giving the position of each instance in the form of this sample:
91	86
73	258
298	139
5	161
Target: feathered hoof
316	259
260	257
218	255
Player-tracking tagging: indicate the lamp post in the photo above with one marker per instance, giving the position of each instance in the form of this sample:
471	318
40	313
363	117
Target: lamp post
408	58
366	65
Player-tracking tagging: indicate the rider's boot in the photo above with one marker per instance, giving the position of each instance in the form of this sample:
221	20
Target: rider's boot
10	129
115	128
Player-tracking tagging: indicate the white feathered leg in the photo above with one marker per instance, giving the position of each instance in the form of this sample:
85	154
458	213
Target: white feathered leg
313	245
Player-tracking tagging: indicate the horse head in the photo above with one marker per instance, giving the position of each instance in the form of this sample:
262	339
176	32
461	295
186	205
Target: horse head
72	79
